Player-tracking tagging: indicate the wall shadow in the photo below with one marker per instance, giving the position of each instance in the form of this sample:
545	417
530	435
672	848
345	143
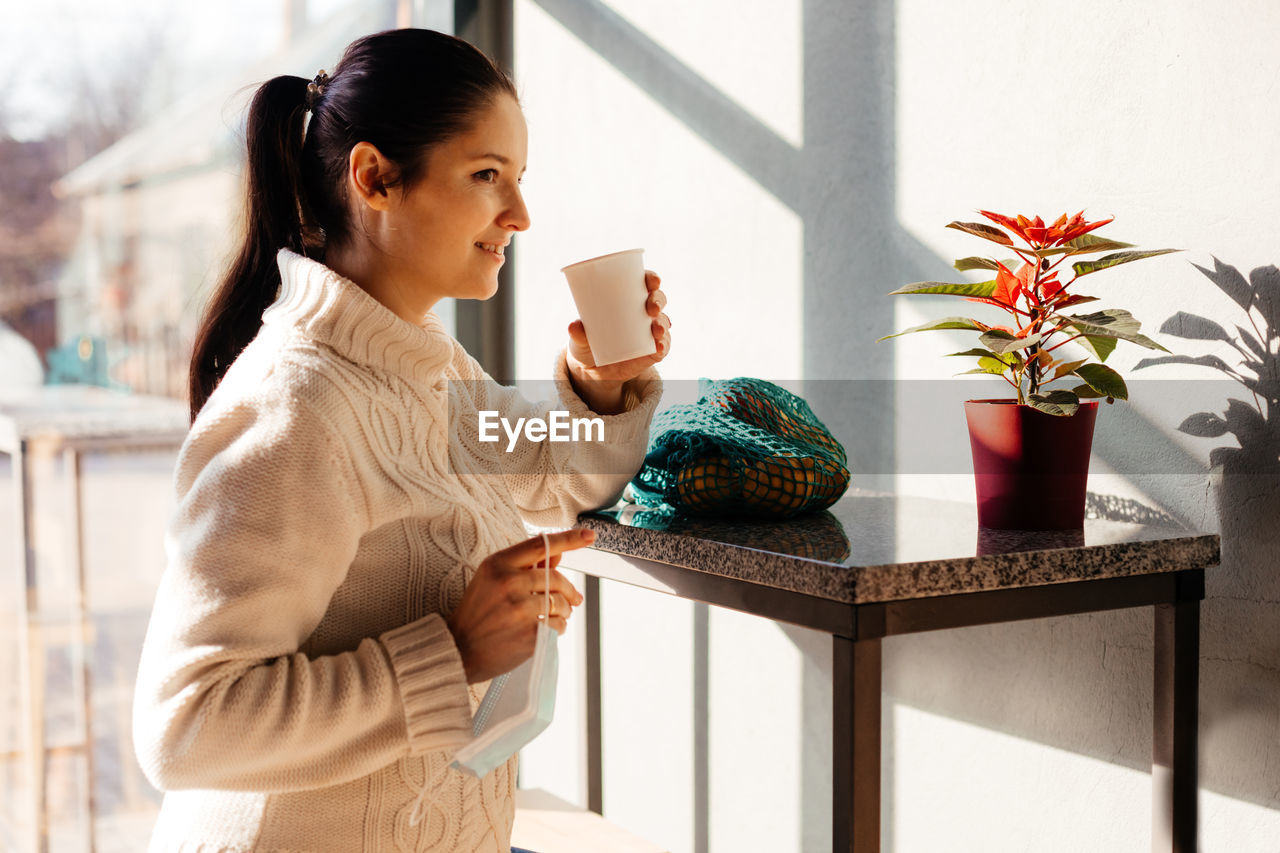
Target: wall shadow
1080	683
841	186
1084	683
1240	635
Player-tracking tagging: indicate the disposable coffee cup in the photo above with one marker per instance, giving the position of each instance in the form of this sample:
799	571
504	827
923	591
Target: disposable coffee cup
610	294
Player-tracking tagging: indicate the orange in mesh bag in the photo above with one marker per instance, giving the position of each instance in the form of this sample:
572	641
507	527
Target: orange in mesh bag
746	448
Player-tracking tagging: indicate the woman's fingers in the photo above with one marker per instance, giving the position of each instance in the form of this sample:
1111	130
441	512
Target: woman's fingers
524	554
560	606
559	586
555	561
656	302
493	624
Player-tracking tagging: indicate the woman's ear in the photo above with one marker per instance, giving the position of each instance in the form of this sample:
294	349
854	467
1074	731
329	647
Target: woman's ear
369	175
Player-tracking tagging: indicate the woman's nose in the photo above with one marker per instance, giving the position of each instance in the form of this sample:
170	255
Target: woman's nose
516	216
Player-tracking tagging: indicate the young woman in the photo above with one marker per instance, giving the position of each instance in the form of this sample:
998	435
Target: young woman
348	565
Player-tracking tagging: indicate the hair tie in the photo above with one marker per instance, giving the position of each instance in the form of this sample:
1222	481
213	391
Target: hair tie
315	89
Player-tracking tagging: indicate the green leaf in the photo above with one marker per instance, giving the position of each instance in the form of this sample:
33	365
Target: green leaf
1011	359
1112	323
993	365
1084	392
987	365
1086	243
1002	342
965	288
1058	403
936	325
1114	260
973	263
1100	347
986	232
1104	380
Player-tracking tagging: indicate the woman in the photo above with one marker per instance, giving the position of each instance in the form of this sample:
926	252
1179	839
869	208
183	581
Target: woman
348	565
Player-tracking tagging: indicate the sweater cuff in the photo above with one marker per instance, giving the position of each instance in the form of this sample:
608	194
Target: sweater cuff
626	426
433	684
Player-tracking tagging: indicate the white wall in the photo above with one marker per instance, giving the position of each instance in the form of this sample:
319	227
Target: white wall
786	164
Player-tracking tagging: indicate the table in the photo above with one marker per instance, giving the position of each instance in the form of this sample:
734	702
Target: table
73	420
876	566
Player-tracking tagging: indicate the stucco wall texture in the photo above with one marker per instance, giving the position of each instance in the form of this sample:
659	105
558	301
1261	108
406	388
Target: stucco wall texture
786	163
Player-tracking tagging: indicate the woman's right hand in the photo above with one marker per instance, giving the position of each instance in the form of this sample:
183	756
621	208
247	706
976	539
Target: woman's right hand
496	623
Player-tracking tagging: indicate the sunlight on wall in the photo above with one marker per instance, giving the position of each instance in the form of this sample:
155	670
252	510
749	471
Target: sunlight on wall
708	36
944	793
957	797
755	738
610	169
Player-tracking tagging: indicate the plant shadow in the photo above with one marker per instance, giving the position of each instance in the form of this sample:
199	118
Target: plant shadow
1240	617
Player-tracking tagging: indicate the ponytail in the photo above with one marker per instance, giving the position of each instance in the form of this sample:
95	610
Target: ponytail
273	217
403	91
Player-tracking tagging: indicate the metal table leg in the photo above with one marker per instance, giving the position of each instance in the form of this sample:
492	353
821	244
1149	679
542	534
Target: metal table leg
1176	720
595	764
856	746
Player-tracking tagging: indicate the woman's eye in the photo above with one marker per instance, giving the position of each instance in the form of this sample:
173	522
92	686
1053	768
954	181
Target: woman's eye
488	175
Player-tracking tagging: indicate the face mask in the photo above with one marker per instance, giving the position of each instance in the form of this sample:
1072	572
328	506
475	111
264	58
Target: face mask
516	708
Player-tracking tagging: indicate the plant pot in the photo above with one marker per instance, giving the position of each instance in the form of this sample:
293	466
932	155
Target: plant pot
1030	469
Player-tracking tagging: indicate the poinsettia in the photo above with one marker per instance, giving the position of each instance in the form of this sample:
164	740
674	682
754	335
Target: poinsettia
1027	351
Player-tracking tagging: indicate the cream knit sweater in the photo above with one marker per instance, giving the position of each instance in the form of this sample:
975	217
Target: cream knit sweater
298	683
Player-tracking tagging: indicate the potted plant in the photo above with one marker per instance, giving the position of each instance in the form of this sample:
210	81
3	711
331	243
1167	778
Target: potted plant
1031	451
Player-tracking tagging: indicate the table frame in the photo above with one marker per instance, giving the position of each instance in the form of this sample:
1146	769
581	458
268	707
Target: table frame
857	630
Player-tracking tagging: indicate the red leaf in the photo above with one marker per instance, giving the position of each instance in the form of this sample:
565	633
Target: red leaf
1008	286
1001	219
1078	226
1050	287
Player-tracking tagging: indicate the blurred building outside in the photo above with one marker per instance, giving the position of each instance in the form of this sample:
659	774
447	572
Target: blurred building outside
158	211
105	265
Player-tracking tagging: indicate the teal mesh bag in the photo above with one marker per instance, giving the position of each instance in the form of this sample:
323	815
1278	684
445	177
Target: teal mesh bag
746	448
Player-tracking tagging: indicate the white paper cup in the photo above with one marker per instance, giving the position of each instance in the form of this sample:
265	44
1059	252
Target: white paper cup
610	294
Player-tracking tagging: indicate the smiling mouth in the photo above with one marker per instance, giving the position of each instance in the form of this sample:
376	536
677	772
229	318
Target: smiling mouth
492	247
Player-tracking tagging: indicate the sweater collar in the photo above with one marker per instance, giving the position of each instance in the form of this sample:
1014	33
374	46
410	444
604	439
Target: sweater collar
335	311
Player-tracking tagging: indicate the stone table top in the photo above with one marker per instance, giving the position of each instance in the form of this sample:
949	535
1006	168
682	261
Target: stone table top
872	547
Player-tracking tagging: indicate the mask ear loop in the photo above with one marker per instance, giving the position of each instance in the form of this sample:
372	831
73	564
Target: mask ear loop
546	603
420	804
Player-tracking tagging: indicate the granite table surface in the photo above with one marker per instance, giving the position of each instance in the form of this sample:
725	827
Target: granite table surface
871	547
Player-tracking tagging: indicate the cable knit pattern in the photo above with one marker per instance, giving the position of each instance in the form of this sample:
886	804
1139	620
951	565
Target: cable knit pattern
298	684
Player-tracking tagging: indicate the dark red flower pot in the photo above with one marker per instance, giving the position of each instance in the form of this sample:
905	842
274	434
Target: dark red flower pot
1030	469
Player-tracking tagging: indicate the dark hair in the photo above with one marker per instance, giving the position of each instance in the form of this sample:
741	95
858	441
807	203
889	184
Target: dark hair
404	91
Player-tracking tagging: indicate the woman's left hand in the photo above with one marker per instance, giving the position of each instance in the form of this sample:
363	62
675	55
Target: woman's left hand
601	387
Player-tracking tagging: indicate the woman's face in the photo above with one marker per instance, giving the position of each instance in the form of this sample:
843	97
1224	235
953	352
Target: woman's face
450	229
